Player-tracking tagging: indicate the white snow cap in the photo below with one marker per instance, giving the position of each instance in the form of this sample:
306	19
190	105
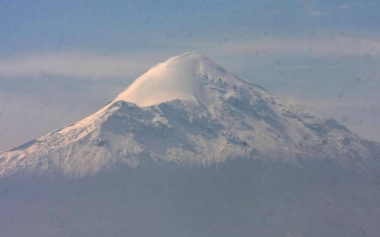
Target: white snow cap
180	77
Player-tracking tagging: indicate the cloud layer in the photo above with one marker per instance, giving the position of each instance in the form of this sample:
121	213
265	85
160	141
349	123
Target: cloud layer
95	66
76	65
312	46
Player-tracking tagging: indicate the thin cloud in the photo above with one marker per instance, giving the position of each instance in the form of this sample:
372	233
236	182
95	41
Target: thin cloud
305	67
316	13
94	66
312	12
337	46
76	65
345	6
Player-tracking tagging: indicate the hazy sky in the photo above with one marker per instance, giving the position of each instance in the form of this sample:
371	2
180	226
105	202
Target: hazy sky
62	60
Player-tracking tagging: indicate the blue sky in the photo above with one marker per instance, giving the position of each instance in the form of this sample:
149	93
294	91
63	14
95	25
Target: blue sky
62	60
128	26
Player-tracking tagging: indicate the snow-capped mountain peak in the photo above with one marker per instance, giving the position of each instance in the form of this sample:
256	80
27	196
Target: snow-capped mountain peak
181	77
189	111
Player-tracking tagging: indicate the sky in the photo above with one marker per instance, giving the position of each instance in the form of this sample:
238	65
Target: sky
63	60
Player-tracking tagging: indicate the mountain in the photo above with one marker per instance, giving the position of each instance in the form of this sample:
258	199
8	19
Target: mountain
187	150
189	111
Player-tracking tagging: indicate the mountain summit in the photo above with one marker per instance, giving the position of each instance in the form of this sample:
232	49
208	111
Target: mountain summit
182	77
189	111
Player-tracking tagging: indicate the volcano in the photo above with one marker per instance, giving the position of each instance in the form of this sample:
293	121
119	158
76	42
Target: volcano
188	111
189	149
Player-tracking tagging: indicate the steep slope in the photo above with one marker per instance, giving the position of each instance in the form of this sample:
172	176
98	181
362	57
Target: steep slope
189	111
